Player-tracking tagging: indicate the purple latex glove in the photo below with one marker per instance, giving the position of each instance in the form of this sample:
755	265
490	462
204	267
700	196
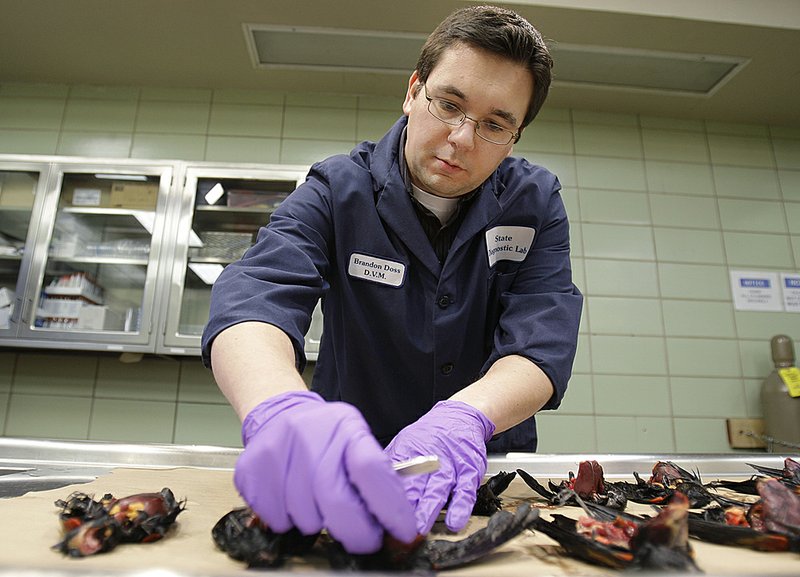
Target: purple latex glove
457	433
312	465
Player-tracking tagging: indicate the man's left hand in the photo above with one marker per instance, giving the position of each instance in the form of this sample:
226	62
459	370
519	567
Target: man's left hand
457	433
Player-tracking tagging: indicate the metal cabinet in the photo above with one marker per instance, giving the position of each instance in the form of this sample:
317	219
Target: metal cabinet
120	255
218	214
92	256
21	186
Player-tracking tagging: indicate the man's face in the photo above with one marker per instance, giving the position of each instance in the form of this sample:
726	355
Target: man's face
450	161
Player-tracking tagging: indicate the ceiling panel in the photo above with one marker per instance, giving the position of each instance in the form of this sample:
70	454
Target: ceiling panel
184	43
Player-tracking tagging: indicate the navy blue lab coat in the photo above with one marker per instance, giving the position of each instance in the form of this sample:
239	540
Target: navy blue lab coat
400	330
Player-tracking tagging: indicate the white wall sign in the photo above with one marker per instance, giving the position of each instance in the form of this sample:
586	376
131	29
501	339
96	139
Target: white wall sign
756	291
790	284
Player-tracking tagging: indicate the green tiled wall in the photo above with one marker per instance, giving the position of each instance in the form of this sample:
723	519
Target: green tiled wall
661	209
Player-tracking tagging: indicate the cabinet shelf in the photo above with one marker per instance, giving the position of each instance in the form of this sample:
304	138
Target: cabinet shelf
104	211
229	220
210	260
125	260
233	209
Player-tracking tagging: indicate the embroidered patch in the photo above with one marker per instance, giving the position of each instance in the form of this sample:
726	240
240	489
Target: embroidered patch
376	269
508	243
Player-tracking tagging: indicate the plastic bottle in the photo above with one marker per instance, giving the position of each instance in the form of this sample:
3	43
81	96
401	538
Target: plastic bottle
781	410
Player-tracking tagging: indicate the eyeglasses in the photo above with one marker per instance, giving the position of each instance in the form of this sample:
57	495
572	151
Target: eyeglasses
451	114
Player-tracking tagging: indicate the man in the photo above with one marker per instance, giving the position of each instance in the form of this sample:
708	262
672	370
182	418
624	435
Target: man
450	316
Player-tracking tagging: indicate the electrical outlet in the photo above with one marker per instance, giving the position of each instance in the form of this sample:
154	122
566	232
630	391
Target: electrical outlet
746	433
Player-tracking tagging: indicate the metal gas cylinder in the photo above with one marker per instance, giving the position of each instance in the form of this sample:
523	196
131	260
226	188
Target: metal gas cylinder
781	410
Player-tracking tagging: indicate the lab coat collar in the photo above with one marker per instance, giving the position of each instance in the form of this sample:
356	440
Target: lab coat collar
394	204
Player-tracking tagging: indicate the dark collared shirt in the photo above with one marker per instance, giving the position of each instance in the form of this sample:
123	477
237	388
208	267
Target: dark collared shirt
441	237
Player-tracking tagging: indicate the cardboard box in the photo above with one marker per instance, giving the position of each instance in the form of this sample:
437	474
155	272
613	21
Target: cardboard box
142	195
85	194
17	189
100	318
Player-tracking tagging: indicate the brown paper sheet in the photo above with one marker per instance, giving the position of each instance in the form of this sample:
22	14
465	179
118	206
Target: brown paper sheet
29	527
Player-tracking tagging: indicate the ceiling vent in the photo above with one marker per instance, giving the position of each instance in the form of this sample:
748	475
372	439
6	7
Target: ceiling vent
333	49
644	70
337	49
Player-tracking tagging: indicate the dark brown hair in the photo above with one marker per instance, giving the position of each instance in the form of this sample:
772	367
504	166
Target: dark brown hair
499	31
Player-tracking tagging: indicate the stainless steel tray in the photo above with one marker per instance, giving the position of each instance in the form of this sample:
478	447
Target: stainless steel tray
31	465
35	464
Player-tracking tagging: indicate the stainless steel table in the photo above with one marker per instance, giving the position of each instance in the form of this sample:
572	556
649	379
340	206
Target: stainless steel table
34	465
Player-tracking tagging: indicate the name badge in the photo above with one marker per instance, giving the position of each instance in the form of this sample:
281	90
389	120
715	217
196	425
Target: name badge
508	243
377	270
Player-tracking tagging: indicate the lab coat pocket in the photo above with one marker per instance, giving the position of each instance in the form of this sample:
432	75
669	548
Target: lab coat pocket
499	282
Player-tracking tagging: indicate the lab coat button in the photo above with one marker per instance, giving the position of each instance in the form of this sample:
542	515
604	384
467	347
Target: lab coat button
444	301
447	368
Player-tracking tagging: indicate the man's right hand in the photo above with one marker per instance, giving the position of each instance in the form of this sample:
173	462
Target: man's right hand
311	464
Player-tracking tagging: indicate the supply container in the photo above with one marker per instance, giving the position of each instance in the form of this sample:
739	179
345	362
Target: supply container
780	398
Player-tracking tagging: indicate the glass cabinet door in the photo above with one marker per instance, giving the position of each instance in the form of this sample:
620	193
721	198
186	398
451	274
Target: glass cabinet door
222	212
98	264
19	184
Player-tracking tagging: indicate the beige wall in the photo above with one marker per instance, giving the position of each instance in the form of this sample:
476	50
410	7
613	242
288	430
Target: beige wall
661	210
